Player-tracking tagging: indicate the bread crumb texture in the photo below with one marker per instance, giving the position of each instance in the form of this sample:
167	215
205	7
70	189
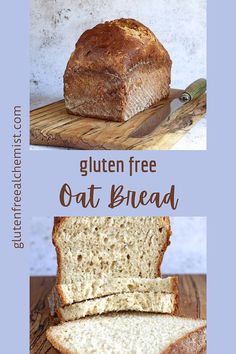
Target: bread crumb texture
92	288
130	333
136	301
96	247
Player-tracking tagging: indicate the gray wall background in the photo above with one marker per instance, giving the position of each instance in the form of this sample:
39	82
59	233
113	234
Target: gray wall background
186	254
57	24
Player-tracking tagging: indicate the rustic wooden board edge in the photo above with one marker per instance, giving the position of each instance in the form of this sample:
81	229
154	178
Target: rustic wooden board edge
164	137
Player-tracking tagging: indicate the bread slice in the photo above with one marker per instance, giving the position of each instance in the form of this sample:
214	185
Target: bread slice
130	333
136	301
89	248
93	288
118	68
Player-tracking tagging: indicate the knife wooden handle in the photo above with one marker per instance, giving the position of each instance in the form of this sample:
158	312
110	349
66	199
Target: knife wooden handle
194	90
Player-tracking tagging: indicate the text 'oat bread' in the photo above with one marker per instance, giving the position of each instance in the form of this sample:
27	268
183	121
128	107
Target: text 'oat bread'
130	333
89	248
118	68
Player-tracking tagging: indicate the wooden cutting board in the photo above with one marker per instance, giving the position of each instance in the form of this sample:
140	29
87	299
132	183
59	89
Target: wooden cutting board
51	125
192	297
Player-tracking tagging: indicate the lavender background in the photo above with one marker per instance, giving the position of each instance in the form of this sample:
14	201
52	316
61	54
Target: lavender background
186	254
55	26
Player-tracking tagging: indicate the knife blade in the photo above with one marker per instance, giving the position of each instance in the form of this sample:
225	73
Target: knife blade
193	91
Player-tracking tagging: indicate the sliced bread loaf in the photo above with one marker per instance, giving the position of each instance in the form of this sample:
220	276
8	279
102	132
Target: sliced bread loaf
130	333
144	302
136	301
104	247
93	288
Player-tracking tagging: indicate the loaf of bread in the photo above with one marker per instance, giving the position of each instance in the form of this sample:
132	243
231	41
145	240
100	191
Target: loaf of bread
130	333
92	248
118	68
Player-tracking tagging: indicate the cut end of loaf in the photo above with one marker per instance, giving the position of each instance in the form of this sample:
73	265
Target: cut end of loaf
116	101
90	247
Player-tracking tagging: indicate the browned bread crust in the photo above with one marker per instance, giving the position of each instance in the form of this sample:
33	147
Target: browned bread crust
98	79
193	343
116	47
166	222
58	222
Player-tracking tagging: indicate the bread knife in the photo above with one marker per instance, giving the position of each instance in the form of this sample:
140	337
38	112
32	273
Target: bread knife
194	90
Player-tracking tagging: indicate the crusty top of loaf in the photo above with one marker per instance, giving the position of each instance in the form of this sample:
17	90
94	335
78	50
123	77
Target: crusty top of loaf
116	47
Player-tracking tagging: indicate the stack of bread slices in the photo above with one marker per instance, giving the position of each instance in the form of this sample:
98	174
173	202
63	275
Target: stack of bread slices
112	265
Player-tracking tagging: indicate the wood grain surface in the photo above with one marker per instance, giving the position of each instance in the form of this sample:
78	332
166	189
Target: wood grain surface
51	125
192	297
